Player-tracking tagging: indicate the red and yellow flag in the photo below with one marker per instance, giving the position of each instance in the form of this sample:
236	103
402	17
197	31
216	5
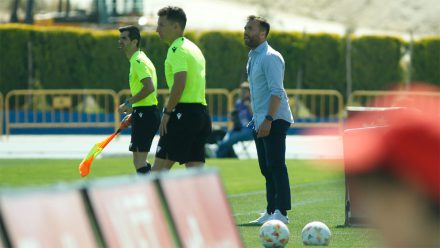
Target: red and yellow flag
84	167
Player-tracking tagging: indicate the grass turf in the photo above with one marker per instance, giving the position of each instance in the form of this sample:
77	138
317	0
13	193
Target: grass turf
317	193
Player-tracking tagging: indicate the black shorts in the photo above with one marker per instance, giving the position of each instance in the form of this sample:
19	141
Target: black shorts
145	123
187	131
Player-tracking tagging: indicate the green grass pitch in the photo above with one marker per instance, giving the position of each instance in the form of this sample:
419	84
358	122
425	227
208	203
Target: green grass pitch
317	193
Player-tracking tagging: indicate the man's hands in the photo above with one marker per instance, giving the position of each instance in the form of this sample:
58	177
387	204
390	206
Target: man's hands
264	129
127	119
126	122
125	108
163	124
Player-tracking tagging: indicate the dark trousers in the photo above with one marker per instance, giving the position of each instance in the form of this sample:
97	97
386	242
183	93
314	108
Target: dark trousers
271	152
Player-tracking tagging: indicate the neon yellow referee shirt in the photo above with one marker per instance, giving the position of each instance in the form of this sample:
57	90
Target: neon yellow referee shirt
141	67
184	55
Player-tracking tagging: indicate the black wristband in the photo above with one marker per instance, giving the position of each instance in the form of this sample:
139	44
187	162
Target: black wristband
268	117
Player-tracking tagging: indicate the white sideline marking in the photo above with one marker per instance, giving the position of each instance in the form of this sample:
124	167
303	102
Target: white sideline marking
77	146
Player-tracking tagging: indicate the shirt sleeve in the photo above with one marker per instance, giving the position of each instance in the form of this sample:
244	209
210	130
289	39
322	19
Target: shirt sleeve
141	69
274	71
178	61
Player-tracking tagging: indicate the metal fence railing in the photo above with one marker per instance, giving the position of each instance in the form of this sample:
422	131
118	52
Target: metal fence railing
316	108
312	108
99	108
61	109
421	99
365	98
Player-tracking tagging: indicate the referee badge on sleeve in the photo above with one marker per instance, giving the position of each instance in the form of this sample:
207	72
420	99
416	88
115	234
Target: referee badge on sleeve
179	115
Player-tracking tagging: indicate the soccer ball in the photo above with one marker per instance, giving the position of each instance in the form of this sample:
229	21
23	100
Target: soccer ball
316	233
274	233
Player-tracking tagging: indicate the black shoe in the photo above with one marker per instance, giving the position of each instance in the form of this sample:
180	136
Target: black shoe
144	170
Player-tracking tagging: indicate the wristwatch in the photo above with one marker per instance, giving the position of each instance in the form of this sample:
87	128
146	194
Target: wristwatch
268	117
127	103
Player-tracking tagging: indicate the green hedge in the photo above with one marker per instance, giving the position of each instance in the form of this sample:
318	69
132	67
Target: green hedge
79	58
426	60
324	65
376	62
61	58
108	67
291	46
226	58
14	62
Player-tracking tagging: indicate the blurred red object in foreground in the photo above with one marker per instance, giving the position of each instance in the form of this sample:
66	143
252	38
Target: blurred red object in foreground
409	146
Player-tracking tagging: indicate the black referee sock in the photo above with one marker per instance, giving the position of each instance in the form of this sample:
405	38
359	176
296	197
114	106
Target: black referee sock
283	212
144	170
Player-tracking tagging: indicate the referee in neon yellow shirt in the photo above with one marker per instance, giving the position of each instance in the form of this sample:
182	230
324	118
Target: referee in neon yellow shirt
185	123
143	100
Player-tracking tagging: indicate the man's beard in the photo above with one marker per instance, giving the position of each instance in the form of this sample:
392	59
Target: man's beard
251	43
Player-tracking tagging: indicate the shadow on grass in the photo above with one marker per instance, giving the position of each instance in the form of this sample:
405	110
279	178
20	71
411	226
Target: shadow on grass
248	224
354	226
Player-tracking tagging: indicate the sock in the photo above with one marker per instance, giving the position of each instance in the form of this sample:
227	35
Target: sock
144	170
283	212
270	211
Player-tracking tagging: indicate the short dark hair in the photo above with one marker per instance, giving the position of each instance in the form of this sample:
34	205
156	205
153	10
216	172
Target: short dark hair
175	14
264	25
133	33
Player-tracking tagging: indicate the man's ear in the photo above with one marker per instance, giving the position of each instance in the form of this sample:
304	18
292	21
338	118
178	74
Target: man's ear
134	42
176	26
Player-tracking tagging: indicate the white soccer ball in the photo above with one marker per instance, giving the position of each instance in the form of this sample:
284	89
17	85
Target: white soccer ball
316	233
274	233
